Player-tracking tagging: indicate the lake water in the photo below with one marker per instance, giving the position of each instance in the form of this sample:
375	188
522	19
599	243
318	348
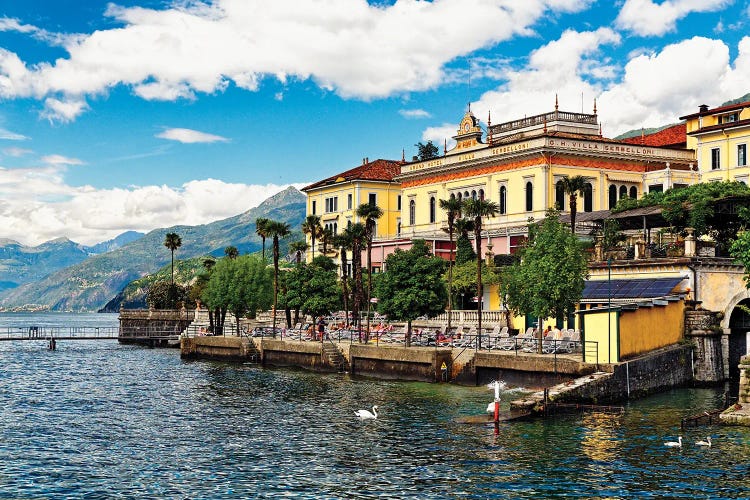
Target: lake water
95	419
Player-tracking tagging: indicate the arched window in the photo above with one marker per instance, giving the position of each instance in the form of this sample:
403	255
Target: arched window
398	228
623	192
612	196
481	194
473	194
453	196
634	192
412	212
460	196
503	200
529	197
467	195
432	209
559	196
588	197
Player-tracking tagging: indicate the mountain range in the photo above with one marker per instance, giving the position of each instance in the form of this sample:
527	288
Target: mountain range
21	264
87	285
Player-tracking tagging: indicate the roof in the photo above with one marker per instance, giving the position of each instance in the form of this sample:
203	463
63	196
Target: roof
378	170
720	109
721	126
670	136
645	288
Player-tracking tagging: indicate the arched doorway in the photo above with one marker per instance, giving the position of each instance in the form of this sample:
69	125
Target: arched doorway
739	340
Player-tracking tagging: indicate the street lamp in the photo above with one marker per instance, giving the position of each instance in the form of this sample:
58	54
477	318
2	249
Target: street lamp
609	308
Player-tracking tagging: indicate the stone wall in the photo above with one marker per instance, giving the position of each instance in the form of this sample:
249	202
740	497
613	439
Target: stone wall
702	328
138	324
224	348
400	363
658	371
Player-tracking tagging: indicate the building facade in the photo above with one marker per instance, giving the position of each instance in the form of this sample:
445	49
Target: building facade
720	137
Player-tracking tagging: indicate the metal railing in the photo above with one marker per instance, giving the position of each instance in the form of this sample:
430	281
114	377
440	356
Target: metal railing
80	333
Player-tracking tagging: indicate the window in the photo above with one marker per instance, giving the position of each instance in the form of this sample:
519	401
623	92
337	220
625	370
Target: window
314	206
349	201
656	188
729	118
634	192
373	199
332	226
481	194
412	212
398	227
741	155
432	209
473	195
503	200
529	197
715	159
398	202
559	195
623	192
332	204
588	197
612	196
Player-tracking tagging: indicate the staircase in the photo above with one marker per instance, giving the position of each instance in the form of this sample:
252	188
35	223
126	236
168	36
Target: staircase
463	367
333	357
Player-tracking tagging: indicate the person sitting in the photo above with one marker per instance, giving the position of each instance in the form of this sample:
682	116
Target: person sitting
556	333
547	331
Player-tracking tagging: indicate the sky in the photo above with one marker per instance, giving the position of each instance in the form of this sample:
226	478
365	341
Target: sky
140	114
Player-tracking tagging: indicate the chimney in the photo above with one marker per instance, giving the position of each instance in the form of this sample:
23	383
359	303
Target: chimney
702	108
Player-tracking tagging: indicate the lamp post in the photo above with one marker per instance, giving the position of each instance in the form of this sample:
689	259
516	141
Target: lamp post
609	308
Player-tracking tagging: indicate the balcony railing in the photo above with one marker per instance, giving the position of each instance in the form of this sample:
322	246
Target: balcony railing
531	121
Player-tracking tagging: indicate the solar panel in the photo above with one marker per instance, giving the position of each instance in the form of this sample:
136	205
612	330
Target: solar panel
630	288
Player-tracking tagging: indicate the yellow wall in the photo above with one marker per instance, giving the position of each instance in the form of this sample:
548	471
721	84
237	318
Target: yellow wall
726	140
595	331
649	328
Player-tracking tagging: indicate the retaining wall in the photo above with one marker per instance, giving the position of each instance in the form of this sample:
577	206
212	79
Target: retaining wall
398	363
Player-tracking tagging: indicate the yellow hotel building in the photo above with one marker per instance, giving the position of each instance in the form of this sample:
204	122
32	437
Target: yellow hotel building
336	198
719	137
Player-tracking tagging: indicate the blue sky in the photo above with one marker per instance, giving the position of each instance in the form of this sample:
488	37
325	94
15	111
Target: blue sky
141	114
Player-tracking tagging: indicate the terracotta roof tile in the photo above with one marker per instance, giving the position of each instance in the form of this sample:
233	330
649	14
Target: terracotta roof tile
377	170
670	136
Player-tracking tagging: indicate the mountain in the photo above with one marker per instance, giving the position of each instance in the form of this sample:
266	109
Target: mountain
89	285
21	264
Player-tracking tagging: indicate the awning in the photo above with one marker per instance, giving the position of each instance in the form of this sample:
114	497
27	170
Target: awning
647	288
625	178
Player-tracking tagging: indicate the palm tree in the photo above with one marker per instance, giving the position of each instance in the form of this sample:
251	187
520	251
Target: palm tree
231	252
452	209
371	213
297	247
260	230
326	236
343	242
173	242
463	226
312	226
477	208
572	186
276	230
356	232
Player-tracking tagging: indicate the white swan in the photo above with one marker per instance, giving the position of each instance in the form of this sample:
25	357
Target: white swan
707	442
674	444
366	414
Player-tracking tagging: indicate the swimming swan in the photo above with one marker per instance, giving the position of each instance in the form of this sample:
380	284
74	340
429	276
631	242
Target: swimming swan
674	444
366	415
707	442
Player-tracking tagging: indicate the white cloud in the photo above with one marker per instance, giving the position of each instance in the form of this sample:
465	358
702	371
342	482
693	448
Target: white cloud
441	135
36	205
558	68
16	152
414	113
359	50
646	18
11	136
188	136
60	160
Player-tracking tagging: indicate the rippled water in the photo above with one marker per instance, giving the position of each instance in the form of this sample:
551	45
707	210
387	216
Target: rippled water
96	419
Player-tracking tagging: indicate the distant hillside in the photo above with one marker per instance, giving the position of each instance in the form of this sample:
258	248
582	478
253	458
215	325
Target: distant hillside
133	296
21	264
89	285
744	98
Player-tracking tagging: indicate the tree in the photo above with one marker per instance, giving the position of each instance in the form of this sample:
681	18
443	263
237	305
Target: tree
465	277
370	213
427	151
356	234
477	209
260	230
231	252
326	237
548	279
572	186
412	285
163	295
276	230
464	252
312	226
452	208
343	243
172	241
297	248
